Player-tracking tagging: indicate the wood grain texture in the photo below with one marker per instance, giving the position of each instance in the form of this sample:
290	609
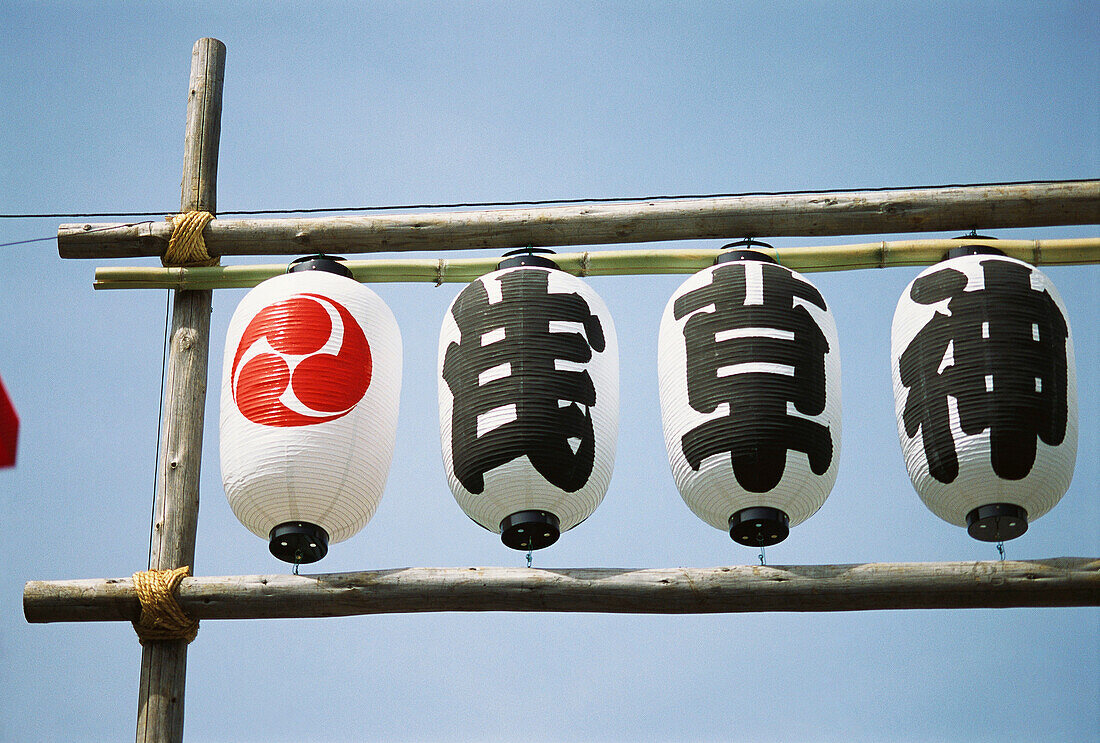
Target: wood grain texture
164	663
202	136
816	214
1066	581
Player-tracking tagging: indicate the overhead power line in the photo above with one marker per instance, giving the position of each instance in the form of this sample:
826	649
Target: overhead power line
54	237
536	202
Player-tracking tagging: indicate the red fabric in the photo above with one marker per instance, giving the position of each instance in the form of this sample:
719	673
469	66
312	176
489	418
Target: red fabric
9	428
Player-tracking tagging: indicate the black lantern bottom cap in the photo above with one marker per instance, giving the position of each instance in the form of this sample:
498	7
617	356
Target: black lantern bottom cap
299	542
759	526
529	530
996	522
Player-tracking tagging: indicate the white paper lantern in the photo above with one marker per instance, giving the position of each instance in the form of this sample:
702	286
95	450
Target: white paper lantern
749	371
985	391
528	400
310	387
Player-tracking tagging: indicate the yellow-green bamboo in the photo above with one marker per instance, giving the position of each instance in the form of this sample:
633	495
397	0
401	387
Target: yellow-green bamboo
882	254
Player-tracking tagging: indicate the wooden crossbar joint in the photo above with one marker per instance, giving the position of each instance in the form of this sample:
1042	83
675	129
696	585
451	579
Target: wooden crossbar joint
186	246
162	618
709	218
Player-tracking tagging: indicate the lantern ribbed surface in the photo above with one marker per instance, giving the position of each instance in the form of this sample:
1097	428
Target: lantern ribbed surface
749	374
310	388
985	387
528	396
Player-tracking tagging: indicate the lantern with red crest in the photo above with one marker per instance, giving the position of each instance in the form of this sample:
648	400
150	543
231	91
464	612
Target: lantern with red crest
310	387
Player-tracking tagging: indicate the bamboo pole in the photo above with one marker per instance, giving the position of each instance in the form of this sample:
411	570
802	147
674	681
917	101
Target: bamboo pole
164	663
1066	581
808	214
609	263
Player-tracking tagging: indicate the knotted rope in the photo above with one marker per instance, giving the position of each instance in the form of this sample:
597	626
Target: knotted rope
161	616
186	246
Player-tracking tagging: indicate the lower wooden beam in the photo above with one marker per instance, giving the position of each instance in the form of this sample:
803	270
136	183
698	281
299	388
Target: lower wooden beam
1063	581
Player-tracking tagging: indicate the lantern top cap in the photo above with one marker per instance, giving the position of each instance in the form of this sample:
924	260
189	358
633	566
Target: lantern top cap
527	257
742	250
320	262
964	250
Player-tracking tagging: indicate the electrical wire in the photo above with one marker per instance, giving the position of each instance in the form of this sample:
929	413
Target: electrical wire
54	237
24	242
483	204
160	421
534	202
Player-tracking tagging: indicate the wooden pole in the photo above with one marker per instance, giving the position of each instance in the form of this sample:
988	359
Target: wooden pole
809	214
1066	581
164	663
883	254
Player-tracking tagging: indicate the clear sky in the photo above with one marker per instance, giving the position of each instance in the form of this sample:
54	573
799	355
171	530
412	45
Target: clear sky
397	103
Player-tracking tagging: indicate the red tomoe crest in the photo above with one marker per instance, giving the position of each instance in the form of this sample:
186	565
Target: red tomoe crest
300	361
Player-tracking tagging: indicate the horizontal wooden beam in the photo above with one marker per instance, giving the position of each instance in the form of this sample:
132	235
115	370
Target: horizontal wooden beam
809	214
1066	581
608	263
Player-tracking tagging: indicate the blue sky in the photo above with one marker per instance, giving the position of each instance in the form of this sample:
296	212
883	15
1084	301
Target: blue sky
393	103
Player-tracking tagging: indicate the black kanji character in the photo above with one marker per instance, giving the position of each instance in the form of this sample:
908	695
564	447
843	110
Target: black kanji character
542	426
1007	371
757	432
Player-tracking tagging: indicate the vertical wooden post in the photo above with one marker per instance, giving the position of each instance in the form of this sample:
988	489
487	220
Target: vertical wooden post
164	664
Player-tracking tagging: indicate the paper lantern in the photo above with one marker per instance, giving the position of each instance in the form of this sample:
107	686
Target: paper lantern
528	400
985	391
749	371
310	386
